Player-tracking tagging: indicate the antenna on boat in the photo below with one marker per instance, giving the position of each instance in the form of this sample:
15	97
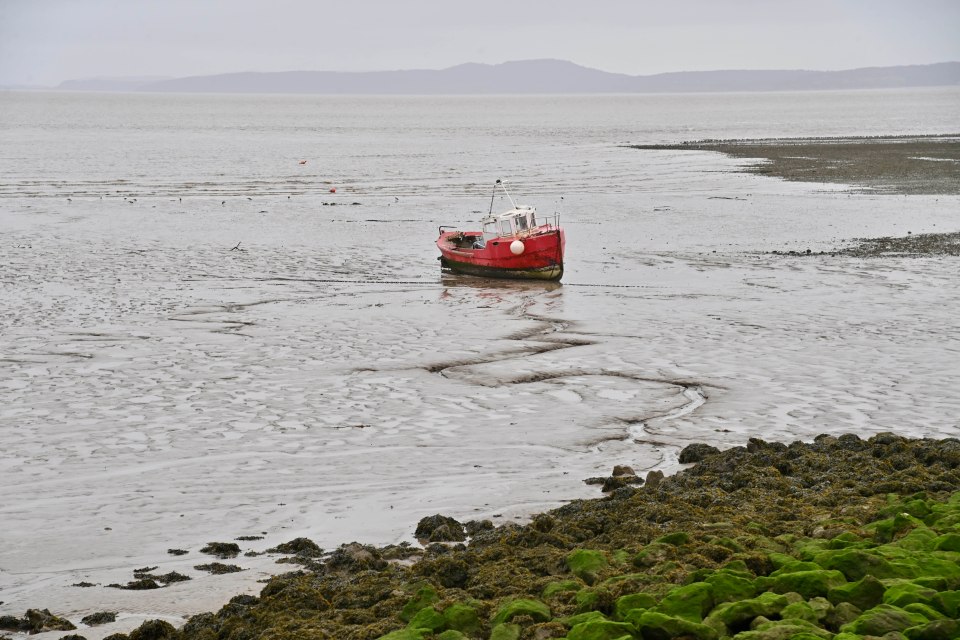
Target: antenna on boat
503	185
493	194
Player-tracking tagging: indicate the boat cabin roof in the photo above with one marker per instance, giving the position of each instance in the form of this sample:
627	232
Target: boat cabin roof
518	211
516	221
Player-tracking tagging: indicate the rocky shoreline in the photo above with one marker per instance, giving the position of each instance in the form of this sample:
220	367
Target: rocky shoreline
915	165
840	538
909	246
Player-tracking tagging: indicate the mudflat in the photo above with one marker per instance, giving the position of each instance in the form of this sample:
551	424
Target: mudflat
915	165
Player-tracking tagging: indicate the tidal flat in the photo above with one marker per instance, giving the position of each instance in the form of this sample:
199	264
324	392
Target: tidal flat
918	165
201	343
840	538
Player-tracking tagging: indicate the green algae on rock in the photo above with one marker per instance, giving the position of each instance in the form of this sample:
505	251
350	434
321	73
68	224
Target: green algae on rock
835	538
585	563
533	609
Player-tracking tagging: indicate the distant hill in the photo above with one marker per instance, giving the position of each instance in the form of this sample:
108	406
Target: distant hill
540	76
111	84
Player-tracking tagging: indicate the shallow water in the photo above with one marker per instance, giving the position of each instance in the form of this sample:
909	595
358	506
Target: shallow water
160	389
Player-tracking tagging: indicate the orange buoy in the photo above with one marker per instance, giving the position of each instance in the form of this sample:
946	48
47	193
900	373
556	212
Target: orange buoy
333	189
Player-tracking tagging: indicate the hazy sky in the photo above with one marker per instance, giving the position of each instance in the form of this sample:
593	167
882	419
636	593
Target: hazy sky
46	41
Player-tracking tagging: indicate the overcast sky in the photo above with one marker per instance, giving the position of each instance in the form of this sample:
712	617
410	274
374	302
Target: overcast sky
44	42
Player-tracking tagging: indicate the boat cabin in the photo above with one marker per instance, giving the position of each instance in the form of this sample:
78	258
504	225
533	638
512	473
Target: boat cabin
516	222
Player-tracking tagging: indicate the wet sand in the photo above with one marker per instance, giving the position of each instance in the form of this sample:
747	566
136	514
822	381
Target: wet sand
915	165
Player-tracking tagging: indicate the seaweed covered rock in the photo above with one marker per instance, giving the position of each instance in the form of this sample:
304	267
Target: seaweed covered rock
475	527
41	620
355	557
632	602
659	626
222	550
428	618
787	629
696	452
101	617
586	564
730	618
35	621
599	629
729	587
170	577
902	594
654	554
424	596
621	476
536	610
463	618
856	564
863	594
218	568
809	583
142	584
883	619
856	533
561	587
304	547
154	630
690	602
145	579
447	571
653	479
935	630
439	528
506	632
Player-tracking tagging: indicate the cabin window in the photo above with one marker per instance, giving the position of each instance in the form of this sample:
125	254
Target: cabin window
533	220
505	228
522	223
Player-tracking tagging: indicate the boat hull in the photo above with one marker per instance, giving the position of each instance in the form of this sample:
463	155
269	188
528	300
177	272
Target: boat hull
553	272
541	259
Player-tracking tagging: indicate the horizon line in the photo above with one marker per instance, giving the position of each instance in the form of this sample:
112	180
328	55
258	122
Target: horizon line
162	78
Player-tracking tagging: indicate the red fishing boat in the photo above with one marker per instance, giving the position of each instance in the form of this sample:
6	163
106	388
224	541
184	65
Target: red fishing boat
512	244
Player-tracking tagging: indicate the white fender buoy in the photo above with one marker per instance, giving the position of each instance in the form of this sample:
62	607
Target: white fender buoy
516	247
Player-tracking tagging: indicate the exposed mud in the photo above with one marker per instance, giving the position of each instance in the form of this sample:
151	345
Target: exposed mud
921	244
917	165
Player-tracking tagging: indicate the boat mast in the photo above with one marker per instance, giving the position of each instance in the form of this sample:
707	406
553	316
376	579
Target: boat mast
492	195
504	187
